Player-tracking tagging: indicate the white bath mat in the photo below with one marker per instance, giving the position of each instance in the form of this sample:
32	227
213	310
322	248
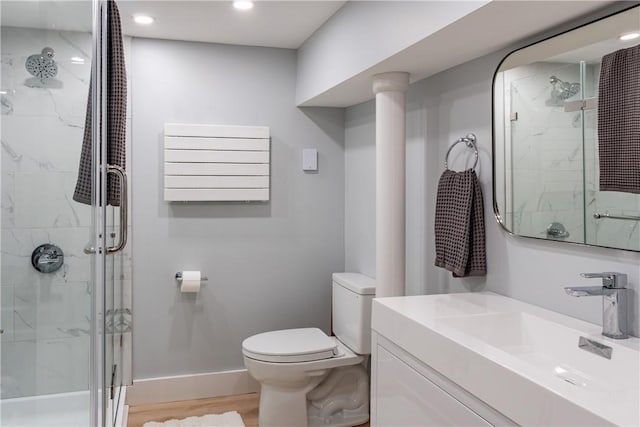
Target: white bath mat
228	419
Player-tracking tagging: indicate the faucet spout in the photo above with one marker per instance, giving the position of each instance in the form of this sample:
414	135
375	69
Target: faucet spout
614	301
584	291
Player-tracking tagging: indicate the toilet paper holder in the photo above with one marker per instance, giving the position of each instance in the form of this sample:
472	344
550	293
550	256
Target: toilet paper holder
179	277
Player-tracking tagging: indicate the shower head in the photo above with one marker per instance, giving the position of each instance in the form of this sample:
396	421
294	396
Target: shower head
42	65
563	90
553	80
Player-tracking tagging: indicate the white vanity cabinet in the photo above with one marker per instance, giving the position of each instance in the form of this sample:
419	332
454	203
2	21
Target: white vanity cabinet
406	392
478	359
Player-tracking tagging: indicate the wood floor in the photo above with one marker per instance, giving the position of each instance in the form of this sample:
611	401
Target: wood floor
245	404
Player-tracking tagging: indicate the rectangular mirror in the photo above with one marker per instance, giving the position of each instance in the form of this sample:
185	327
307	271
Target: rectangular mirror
566	136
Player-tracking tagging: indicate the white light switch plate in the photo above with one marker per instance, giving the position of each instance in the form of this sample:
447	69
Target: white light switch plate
309	159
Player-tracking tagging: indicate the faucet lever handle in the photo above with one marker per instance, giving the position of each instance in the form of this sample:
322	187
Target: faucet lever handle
610	279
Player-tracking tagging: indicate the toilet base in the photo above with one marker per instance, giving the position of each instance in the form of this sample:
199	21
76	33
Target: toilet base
341	399
346	418
286	407
279	409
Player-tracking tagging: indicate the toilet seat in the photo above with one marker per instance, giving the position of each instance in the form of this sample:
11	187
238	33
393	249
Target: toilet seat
290	346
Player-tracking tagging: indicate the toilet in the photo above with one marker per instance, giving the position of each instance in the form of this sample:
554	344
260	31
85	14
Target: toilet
310	379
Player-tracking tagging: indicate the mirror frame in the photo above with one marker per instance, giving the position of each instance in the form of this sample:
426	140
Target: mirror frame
496	211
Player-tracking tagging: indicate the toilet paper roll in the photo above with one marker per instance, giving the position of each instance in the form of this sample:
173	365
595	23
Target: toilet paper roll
190	281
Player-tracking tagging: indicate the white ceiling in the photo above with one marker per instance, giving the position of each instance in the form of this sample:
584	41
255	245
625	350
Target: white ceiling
593	53
285	24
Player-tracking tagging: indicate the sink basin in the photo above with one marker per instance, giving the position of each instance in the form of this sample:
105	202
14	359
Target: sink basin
553	350
520	359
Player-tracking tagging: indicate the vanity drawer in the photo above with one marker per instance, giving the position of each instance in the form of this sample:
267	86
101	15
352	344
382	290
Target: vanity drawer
407	398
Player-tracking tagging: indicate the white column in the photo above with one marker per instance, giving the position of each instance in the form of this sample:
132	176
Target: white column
390	182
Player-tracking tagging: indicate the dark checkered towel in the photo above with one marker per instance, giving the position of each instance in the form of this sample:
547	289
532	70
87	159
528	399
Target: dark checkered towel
459	224
116	95
619	121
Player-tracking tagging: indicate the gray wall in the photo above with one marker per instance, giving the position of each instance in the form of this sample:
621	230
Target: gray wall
441	109
269	264
361	34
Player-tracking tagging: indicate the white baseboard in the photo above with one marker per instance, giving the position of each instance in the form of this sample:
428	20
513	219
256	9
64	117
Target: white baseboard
124	419
189	387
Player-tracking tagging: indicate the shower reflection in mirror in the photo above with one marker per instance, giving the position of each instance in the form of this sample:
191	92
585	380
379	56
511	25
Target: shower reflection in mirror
552	139
561	91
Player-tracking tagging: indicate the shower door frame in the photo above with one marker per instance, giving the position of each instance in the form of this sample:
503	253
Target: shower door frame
98	386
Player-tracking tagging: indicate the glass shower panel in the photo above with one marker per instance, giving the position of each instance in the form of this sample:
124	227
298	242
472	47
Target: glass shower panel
47	279
118	277
547	192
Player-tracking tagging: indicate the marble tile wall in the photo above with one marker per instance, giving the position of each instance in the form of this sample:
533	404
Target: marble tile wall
548	149
46	317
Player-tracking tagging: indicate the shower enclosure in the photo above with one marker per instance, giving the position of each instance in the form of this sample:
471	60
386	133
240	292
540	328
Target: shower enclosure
64	295
546	151
551	179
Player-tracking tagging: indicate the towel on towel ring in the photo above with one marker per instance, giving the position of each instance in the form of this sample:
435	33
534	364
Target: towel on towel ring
459	224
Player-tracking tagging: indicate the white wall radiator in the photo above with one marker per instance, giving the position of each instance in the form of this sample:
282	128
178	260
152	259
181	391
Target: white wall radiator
216	163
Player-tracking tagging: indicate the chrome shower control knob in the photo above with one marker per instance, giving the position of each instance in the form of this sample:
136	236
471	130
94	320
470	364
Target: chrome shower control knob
47	258
557	230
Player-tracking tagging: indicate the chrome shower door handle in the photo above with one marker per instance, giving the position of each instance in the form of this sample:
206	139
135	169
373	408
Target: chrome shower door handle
124	210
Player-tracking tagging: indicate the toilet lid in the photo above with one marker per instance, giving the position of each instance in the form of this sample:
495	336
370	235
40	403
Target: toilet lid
290	345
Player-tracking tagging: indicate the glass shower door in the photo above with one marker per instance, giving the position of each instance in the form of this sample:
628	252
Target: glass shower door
547	194
116	253
117	296
52	282
113	264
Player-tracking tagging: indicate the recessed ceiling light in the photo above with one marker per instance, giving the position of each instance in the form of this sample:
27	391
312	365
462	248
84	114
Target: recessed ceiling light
143	19
629	36
243	4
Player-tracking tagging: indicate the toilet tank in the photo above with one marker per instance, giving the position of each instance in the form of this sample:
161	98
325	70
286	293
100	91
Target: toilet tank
352	295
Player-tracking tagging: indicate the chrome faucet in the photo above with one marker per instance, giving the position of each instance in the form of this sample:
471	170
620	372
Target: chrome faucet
614	301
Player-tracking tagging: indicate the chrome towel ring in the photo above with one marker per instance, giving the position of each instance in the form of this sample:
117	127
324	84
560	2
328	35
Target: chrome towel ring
470	141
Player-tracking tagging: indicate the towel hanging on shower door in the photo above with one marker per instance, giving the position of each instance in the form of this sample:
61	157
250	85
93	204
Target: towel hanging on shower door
116	97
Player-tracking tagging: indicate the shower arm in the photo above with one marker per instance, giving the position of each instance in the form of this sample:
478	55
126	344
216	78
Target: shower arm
581	105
